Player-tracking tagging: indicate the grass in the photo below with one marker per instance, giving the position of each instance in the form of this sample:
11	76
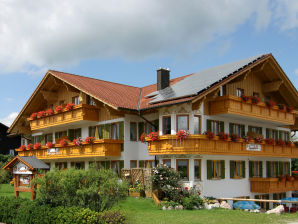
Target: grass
140	210
7	190
143	211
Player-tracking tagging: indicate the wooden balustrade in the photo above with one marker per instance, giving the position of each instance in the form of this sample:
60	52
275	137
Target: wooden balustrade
271	185
82	112
100	148
200	144
235	105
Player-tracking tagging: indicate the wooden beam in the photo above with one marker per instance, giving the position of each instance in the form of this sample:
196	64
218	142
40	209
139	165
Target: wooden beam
242	77
49	96
272	86
197	104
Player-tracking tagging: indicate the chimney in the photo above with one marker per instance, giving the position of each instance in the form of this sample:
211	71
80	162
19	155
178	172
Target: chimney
163	78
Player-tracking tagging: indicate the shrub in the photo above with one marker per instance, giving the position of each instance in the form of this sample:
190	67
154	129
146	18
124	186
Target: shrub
113	217
22	148
5	176
5	159
192	201
8	208
182	135
95	189
49	112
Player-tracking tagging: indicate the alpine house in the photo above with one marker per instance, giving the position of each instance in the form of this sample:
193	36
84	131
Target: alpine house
227	129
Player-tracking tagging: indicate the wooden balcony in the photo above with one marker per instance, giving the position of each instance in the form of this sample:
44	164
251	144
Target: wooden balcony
236	106
271	185
100	148
82	112
200	144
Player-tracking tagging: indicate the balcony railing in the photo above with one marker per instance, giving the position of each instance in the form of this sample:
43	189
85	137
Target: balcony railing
271	185
201	144
82	112
100	148
235	105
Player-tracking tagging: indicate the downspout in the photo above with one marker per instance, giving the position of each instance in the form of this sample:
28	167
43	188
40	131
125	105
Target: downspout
140	115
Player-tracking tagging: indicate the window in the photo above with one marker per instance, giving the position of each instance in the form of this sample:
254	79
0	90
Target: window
238	129
272	168
115	131
90	101
133	131
92	130
284	168
133	163
197	169
215	126
166	125
78	165
182	122
60	134
61	165
237	169
182	168
239	92
271	133
255	169
197	124
105	164
215	169
264	205
149	163
115	166
167	162
36	139
284	135
256	94
278	196
148	128
75	100
48	138
255	129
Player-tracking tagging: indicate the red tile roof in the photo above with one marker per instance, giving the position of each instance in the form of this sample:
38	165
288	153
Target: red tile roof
115	94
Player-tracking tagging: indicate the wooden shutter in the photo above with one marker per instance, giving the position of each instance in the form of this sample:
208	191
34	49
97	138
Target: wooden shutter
251	169
121	130
261	168
141	163
222	126
140	129
231	128
156	123
208	125
268	169
209	169
242	130
222	169
232	169
70	134
243	169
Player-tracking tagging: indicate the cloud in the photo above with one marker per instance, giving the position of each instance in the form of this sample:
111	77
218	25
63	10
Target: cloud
35	35
286	14
296	71
9	119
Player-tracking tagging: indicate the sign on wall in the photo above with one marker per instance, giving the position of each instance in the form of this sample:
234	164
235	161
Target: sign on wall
21	168
53	151
25	179
253	147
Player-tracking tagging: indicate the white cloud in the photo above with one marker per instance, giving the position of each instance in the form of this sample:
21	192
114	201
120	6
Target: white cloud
287	14
296	71
35	35
9	119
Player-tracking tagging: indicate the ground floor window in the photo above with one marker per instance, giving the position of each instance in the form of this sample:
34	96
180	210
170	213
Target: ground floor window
105	164
237	169
278	196
133	163
78	165
146	163
197	169
61	165
182	168
215	169
263	205
255	169
167	162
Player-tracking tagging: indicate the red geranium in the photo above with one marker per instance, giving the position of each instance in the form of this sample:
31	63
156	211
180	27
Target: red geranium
270	141
235	138
288	143
270	103
255	99
69	106
182	134
49	112
49	145
89	140
143	137
29	146
280	142
59	109
41	113
223	136
37	145
209	134
64	142
153	136
33	115
22	148
244	98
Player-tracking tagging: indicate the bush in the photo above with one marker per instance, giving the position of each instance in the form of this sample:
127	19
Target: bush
5	176
5	159
192	201
113	217
8	208
95	189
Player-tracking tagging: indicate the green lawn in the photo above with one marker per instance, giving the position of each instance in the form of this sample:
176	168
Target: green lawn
145	211
142	211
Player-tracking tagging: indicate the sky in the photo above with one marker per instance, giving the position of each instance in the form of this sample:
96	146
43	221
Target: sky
127	41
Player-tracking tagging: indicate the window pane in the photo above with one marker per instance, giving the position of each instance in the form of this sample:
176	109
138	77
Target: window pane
167	125
133	131
182	123
182	168
197	169
197	125
133	164
167	162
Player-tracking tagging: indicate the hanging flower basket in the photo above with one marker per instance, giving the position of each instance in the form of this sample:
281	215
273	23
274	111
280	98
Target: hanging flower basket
69	106
182	135
37	145
49	145
255	99
153	136
29	146
89	140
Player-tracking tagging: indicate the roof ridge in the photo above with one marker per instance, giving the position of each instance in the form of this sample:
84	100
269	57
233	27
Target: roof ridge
51	70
